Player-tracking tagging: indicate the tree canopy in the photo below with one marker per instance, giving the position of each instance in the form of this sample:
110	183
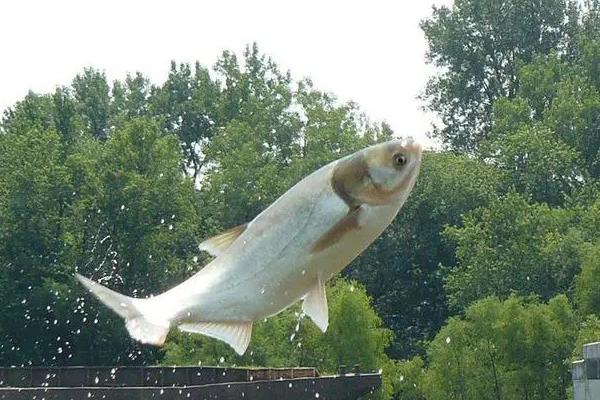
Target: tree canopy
484	286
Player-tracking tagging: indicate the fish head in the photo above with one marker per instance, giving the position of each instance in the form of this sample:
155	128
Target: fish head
380	174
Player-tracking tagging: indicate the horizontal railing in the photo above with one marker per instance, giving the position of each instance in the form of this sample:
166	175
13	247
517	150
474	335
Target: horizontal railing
140	376
137	383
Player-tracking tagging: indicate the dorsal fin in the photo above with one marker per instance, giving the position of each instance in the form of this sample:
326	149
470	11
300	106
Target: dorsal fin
219	243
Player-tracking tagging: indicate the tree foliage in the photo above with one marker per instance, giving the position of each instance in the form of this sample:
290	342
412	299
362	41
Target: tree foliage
512	349
587	295
466	295
512	246
478	44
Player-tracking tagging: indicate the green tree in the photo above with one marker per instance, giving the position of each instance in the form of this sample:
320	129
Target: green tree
34	111
187	105
512	246
130	98
262	136
92	93
31	210
67	122
119	209
556	99
575	117
589	332
512	349
478	45
587	296
408	378
146	207
537	164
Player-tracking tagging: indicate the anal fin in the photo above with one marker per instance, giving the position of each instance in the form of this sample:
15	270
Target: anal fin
315	305
235	334
219	243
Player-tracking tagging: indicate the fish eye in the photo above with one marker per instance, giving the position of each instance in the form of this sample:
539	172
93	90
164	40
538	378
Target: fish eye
400	160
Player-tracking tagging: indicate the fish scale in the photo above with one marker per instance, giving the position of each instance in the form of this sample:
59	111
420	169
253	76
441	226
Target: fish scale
285	254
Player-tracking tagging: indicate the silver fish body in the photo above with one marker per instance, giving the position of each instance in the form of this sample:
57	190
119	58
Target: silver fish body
283	255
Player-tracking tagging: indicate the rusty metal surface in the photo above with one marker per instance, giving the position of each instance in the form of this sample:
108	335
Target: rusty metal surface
140	376
79	383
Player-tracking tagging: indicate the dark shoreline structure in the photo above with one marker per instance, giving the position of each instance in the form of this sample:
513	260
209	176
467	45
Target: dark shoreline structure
196	383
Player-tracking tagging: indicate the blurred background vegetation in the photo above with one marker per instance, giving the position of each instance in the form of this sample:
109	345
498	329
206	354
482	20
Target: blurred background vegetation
484	287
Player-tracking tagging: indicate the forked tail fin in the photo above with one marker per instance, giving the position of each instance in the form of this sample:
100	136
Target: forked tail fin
146	330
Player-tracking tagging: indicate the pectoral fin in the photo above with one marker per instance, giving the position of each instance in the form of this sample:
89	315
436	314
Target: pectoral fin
219	243
237	335
338	231
315	305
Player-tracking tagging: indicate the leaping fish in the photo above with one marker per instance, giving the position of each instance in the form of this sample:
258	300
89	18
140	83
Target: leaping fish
284	255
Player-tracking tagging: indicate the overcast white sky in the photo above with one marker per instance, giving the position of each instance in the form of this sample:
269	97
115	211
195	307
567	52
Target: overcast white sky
371	52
